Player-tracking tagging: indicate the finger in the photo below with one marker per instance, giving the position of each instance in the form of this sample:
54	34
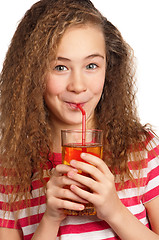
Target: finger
65	181
63	193
61	169
68	194
90	197
95	161
61	181
87	168
90	183
65	204
56	203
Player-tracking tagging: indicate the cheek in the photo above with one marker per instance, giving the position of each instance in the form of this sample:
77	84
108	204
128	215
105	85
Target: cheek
53	86
98	84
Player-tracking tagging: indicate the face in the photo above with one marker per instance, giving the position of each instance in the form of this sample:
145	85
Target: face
76	77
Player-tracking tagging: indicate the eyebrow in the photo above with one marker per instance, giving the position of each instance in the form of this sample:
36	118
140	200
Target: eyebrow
90	56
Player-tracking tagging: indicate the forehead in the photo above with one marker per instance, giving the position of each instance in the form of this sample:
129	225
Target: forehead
82	40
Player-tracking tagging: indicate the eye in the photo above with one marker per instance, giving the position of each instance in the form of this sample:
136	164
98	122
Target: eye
91	66
60	68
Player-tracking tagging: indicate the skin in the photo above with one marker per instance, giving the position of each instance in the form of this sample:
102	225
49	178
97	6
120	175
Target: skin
77	76
74	83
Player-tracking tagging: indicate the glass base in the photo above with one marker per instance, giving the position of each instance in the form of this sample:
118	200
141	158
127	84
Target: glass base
89	210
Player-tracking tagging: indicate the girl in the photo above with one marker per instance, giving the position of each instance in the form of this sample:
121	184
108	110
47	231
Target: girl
64	53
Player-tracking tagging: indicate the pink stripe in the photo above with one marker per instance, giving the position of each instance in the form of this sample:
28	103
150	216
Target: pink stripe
132	201
9	188
151	194
28	237
132	184
153	153
34	202
83	228
112	238
37	184
141	215
23	222
153	173
134	165
34	219
9	224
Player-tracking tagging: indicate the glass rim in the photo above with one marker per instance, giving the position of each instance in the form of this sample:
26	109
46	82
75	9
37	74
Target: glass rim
80	130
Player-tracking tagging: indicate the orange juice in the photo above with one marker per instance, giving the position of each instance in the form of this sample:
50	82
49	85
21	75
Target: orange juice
73	151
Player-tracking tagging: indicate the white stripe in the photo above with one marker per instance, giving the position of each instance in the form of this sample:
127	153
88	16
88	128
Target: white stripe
94	235
152	184
132	192
30	229
5	197
24	212
153	143
144	221
8	215
79	220
33	211
136	209
136	173
153	163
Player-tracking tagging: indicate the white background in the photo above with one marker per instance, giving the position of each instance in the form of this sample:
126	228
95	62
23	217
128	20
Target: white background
138	21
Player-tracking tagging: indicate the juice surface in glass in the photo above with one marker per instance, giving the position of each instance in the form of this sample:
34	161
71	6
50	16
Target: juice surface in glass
73	151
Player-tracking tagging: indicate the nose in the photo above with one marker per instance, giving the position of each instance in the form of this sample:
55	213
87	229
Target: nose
77	83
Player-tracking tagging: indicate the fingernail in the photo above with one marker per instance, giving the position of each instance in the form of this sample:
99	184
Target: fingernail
72	162
83	154
72	187
81	207
71	174
75	170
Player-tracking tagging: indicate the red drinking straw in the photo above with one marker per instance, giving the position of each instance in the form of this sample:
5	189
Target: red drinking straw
83	124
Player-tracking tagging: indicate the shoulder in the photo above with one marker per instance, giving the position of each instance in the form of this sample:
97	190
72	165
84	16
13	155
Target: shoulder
152	144
151	169
152	151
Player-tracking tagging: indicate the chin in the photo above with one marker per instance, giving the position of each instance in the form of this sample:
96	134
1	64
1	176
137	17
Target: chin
75	120
74	124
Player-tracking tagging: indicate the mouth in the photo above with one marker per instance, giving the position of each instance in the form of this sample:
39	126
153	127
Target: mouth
74	105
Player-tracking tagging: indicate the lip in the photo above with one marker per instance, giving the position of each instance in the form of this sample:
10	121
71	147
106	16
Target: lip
73	105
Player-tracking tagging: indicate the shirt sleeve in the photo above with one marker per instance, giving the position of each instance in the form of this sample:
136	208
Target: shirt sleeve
151	190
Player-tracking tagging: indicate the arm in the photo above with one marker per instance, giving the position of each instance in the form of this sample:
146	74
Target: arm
107	203
11	234
152	208
47	229
128	227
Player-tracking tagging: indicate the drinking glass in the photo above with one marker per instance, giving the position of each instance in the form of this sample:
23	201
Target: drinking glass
72	147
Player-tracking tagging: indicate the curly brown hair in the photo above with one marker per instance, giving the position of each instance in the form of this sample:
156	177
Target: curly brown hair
24	118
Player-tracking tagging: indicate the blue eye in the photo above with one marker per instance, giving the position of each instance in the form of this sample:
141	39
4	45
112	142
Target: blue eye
91	66
60	68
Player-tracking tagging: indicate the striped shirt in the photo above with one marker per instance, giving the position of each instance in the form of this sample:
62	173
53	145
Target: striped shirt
90	227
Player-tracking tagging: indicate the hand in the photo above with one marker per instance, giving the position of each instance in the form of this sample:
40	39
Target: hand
103	193
58	194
